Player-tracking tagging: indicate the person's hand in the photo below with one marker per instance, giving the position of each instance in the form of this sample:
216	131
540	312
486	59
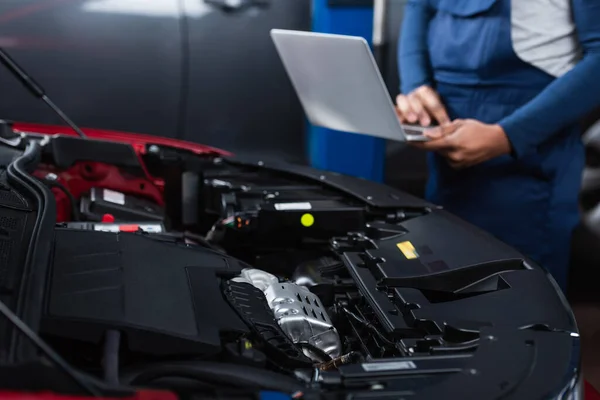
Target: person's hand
467	142
423	106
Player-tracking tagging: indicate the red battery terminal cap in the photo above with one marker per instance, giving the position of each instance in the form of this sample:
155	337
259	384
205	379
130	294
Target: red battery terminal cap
108	218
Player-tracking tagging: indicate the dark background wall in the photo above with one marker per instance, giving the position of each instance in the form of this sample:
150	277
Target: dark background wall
240	97
405	166
106	66
175	68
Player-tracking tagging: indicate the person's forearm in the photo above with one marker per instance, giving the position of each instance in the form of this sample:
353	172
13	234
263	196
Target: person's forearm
568	98
413	58
561	104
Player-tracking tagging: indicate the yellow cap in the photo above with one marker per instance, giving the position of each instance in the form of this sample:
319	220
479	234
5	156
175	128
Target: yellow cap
307	220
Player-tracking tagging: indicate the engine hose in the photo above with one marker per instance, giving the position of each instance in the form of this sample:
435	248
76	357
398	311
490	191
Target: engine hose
55	184
214	372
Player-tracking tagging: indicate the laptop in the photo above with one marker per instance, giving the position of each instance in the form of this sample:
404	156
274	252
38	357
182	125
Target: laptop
340	86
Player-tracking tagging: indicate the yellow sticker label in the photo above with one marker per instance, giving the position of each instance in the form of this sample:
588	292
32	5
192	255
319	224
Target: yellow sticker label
408	250
307	220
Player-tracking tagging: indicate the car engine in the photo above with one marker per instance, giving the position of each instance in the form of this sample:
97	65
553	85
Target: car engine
220	277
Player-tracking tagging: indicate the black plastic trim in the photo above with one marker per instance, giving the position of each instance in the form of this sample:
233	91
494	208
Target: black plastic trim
369	192
67	150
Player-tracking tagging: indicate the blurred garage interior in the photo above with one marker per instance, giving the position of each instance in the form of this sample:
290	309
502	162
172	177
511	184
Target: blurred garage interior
208	72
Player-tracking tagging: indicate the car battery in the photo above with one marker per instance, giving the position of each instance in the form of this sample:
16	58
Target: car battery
122	206
313	219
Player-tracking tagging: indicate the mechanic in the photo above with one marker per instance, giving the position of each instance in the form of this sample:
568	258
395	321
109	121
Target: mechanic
508	82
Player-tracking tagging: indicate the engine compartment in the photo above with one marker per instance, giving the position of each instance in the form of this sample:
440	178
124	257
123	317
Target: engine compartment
202	274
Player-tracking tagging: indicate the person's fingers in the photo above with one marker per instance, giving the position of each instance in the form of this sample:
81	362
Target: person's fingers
443	130
400	116
433	104
406	112
399	113
417	106
435	133
455	159
441	144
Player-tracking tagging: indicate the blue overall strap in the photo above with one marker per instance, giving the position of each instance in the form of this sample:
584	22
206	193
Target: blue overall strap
567	99
413	56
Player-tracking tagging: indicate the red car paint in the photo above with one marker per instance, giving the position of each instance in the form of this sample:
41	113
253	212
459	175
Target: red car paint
590	392
137	140
83	176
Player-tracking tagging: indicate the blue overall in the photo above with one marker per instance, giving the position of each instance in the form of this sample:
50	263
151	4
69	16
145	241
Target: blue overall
529	199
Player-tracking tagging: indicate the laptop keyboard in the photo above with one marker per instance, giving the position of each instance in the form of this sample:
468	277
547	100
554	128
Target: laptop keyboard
413	130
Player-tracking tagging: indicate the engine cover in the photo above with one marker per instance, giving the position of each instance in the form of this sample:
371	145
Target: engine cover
165	296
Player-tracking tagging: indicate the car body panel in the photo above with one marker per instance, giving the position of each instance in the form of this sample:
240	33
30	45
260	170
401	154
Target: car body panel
139	141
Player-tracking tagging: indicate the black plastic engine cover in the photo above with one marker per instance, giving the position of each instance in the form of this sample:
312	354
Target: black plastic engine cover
368	192
163	295
433	272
